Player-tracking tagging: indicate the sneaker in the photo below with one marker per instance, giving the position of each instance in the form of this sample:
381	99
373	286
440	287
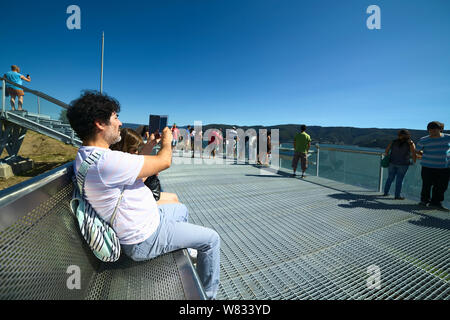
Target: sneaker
193	254
293	175
385	194
399	198
423	204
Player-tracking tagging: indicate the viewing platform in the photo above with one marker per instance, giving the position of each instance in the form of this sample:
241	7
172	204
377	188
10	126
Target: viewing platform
331	235
313	238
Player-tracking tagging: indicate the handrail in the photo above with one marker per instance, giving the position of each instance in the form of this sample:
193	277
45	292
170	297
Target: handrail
377	153
292	149
317	152
38	93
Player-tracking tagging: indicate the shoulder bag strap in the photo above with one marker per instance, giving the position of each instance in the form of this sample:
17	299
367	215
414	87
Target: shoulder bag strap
81	177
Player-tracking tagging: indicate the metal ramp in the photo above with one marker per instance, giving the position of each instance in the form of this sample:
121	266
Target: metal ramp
286	238
44	125
14	124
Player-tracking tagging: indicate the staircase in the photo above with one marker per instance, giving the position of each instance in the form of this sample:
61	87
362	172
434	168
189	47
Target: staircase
42	124
14	124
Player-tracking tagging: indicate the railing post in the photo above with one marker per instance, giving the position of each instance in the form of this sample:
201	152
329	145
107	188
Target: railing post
317	159
380	177
39	105
3	96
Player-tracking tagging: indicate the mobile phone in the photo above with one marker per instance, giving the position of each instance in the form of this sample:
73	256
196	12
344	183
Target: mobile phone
163	122
156	124
153	126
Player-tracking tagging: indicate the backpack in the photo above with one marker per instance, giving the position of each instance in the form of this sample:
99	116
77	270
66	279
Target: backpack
154	185
98	234
387	158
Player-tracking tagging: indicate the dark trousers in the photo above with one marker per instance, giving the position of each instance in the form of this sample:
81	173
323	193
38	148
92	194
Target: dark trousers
436	179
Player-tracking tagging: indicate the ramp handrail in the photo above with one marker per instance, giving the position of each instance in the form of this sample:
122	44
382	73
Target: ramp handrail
372	153
37	93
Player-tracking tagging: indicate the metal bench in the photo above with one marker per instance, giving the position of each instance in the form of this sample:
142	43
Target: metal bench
41	250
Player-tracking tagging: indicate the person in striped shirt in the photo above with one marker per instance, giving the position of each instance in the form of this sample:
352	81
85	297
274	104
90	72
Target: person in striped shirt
435	152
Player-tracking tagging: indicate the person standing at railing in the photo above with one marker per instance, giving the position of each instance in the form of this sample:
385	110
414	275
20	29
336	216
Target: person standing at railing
266	156
215	139
187	143
434	150
233	145
192	138
401	151
13	91
175	134
302	143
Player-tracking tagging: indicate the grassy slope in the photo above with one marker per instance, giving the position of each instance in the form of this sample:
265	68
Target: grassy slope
47	154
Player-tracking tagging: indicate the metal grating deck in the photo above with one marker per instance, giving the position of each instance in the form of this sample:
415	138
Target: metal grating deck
286	238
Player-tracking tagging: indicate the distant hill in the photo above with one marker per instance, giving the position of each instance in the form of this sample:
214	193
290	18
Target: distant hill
133	126
362	137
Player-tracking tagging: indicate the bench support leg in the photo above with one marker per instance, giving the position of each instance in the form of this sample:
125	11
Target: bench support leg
11	139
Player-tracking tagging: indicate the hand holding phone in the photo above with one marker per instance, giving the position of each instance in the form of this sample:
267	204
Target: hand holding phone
166	137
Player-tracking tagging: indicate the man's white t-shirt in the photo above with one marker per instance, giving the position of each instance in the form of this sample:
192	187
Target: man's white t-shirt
137	216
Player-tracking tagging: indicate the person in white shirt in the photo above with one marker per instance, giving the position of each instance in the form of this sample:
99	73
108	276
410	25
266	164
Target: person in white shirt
145	230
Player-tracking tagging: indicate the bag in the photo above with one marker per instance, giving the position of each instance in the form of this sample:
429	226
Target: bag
387	158
154	185
385	161
98	234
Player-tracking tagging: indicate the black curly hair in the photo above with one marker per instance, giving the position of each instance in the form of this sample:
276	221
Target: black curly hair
435	125
91	106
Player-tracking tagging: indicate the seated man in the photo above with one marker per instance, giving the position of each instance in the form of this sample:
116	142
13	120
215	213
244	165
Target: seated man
145	230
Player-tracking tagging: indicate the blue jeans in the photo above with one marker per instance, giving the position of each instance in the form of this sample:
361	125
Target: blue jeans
400	172
173	233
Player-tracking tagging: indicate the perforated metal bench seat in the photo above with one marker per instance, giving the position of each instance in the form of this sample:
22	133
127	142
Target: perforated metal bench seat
42	253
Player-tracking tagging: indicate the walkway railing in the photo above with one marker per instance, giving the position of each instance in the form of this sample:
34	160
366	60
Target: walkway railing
356	167
42	113
33	107
351	166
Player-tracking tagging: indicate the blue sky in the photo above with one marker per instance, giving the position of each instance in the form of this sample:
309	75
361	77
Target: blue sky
242	62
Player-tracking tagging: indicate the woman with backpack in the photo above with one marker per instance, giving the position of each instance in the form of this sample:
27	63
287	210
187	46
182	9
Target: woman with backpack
401	150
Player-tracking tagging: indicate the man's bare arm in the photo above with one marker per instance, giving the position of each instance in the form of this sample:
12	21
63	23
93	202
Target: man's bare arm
161	161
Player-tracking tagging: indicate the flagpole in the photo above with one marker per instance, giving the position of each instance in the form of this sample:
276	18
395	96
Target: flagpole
101	74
